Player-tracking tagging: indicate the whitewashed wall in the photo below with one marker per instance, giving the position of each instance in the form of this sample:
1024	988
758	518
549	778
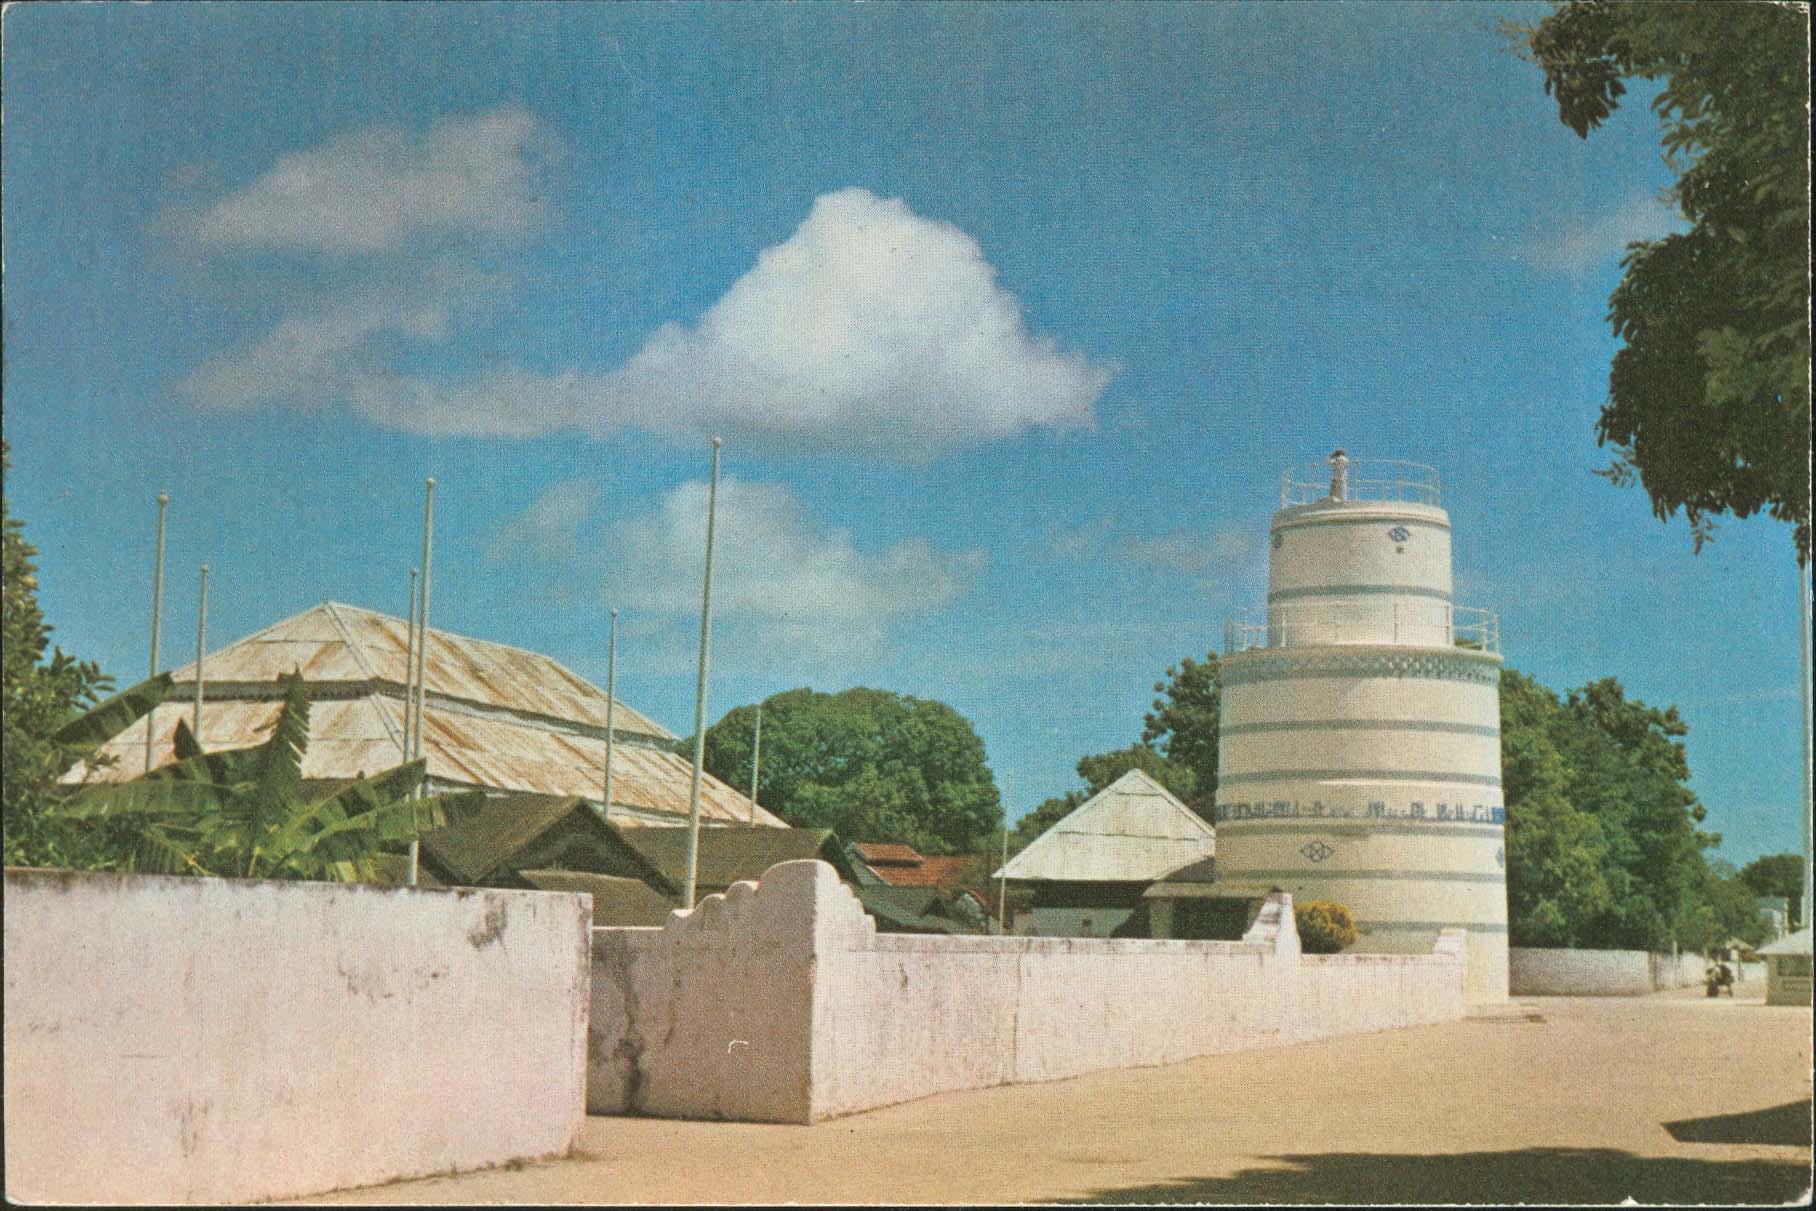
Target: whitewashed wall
173	1040
1533	972
779	1002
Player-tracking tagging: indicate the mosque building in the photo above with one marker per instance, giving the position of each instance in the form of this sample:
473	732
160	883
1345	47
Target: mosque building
1360	752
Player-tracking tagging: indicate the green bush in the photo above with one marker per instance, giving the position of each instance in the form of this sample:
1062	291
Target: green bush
1325	927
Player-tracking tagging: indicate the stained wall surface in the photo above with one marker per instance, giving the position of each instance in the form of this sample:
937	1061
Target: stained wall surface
176	1040
1535	972
779	1002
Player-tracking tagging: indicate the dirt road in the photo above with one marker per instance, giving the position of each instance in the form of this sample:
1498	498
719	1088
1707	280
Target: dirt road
1671	1098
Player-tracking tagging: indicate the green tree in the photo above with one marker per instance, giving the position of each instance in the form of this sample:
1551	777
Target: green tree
1708	396
1777	875
1556	854
870	764
1182	727
38	698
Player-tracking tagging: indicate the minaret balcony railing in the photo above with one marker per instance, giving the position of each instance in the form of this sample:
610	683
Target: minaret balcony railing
1401	621
1390	479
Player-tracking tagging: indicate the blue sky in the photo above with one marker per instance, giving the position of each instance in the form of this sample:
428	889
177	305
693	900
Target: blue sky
1009	315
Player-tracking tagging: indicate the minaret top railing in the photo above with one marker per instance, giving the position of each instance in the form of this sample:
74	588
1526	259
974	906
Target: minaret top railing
1390	479
1413	622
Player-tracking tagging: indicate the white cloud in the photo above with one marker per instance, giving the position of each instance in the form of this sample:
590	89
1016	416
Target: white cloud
869	324
1585	243
374	189
332	349
792	584
869	327
549	529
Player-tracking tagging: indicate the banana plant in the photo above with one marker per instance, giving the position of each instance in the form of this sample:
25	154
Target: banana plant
243	812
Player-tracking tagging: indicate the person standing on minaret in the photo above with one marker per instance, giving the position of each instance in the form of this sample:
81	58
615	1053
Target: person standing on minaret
1339	476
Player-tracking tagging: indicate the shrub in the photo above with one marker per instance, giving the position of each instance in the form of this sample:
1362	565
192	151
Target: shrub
1324	927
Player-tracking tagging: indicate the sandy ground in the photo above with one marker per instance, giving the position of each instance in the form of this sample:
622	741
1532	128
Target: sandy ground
1672	1098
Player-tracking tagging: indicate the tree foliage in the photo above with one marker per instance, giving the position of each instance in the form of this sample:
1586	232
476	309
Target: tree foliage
1708	397
869	764
1603	848
1182	726
38	698
1777	875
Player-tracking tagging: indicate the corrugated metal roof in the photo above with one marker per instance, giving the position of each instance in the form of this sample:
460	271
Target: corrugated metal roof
493	745
617	901
1791	944
336	642
482	845
1132	831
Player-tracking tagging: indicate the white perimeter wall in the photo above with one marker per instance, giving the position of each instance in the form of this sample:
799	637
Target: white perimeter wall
1533	972
780	1003
174	1040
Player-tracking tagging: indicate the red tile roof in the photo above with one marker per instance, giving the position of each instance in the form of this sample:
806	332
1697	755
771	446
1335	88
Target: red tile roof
890	854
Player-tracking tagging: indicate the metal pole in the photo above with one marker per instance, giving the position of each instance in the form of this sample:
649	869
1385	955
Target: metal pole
422	647
706	616
1803	632
157	614
410	667
611	701
1002	886
201	649
756	747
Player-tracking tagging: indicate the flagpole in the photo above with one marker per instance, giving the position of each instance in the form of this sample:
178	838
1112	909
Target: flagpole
1002	886
157	614
611	701
410	667
706	614
422	647
756	748
201	649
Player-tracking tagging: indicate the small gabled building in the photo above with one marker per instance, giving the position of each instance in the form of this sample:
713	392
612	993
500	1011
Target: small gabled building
1086	875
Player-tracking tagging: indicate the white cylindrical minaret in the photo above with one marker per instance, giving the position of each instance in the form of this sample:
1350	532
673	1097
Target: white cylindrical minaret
1360	751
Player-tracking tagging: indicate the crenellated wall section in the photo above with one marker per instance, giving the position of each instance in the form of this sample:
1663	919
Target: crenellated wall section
779	1002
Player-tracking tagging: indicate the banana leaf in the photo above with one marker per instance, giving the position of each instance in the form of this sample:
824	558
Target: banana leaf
145	797
278	777
356	797
224	767
398	820
102	723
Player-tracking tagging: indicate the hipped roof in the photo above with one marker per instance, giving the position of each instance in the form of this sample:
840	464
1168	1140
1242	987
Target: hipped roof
496	717
1791	944
1132	831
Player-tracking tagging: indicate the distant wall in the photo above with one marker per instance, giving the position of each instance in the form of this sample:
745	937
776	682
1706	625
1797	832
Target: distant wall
1534	972
780	1002
173	1040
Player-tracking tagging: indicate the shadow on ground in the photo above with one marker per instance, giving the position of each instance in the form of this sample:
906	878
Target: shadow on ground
1786	1124
1531	1175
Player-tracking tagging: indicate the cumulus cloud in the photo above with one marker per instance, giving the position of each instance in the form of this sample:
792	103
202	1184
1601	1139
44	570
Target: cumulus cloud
333	348
372	190
870	327
1584	243
785	577
869	324
549	529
